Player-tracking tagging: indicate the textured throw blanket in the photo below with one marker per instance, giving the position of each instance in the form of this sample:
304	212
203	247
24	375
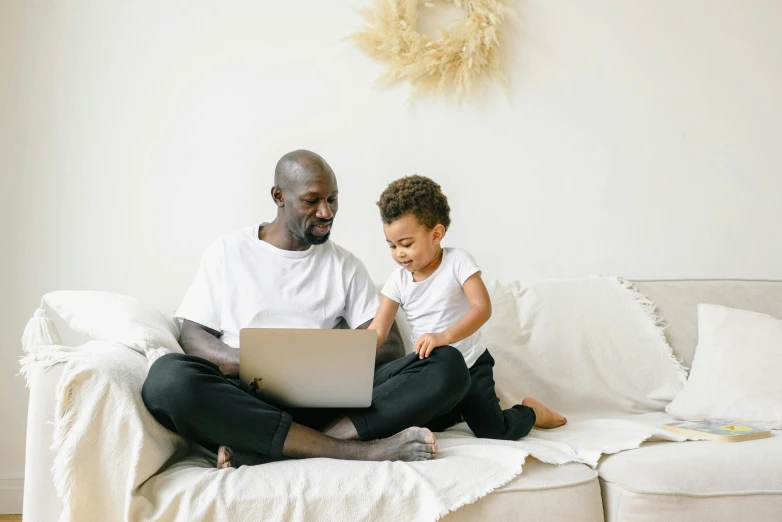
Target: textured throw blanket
115	462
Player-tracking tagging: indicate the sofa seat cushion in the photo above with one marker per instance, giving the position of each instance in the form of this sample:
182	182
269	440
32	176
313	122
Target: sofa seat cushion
541	492
697	480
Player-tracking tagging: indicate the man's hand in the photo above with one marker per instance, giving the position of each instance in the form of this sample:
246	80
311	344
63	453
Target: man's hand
197	339
428	342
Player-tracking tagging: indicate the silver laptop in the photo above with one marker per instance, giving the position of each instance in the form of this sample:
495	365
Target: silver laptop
309	368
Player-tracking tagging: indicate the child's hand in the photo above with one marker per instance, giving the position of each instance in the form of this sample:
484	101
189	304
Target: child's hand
428	342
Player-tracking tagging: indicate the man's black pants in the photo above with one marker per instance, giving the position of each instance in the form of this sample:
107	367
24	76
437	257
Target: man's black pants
189	395
480	408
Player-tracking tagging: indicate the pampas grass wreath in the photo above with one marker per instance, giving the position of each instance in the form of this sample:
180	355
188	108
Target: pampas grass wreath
465	54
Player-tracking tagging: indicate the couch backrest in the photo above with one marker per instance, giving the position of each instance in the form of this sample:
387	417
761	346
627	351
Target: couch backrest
677	303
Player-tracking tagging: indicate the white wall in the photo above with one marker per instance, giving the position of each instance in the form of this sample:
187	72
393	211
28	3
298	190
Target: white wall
639	138
13	292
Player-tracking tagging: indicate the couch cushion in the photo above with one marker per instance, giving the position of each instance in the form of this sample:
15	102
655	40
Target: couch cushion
699	480
541	492
677	302
736	370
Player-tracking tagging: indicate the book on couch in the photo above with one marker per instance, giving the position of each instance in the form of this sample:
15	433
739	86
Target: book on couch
719	430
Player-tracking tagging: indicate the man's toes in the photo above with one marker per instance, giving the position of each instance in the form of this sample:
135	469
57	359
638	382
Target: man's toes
425	436
424	455
420	435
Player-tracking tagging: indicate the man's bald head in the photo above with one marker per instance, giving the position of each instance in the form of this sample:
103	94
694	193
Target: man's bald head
298	167
305	192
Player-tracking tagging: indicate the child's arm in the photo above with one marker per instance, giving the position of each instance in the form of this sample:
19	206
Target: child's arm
476	316
384	318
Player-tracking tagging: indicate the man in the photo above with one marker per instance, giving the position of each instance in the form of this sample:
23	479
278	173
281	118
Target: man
286	274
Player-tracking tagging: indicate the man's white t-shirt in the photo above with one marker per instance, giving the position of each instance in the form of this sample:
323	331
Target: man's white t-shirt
244	282
438	302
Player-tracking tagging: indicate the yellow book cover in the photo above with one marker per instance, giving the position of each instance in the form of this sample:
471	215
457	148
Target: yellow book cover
719	430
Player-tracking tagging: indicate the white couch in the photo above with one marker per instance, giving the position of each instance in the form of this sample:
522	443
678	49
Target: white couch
660	481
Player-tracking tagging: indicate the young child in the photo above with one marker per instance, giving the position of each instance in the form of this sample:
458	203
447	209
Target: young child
443	296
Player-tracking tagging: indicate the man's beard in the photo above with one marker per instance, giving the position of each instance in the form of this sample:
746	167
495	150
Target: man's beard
312	239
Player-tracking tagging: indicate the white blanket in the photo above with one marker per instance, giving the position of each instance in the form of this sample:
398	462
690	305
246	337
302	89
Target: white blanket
110	450
106	443
115	462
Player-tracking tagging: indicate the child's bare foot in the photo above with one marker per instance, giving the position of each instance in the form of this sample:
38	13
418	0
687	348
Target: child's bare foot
544	416
227	458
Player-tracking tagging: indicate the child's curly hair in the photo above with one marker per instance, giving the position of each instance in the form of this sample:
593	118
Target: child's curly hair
416	195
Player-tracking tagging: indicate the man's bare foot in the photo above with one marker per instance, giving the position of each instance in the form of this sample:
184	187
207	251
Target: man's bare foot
223	457
544	416
407	445
412	444
227	458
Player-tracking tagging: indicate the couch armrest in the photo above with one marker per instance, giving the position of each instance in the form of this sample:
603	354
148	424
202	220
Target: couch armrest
105	442
41	502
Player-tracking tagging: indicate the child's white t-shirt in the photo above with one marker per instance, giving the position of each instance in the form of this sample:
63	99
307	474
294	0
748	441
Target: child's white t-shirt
246	282
438	302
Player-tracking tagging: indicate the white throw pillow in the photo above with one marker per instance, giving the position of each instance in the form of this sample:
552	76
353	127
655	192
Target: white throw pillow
119	318
736	374
581	345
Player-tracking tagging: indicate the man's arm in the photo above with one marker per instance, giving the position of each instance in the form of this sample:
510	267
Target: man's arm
203	342
392	348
